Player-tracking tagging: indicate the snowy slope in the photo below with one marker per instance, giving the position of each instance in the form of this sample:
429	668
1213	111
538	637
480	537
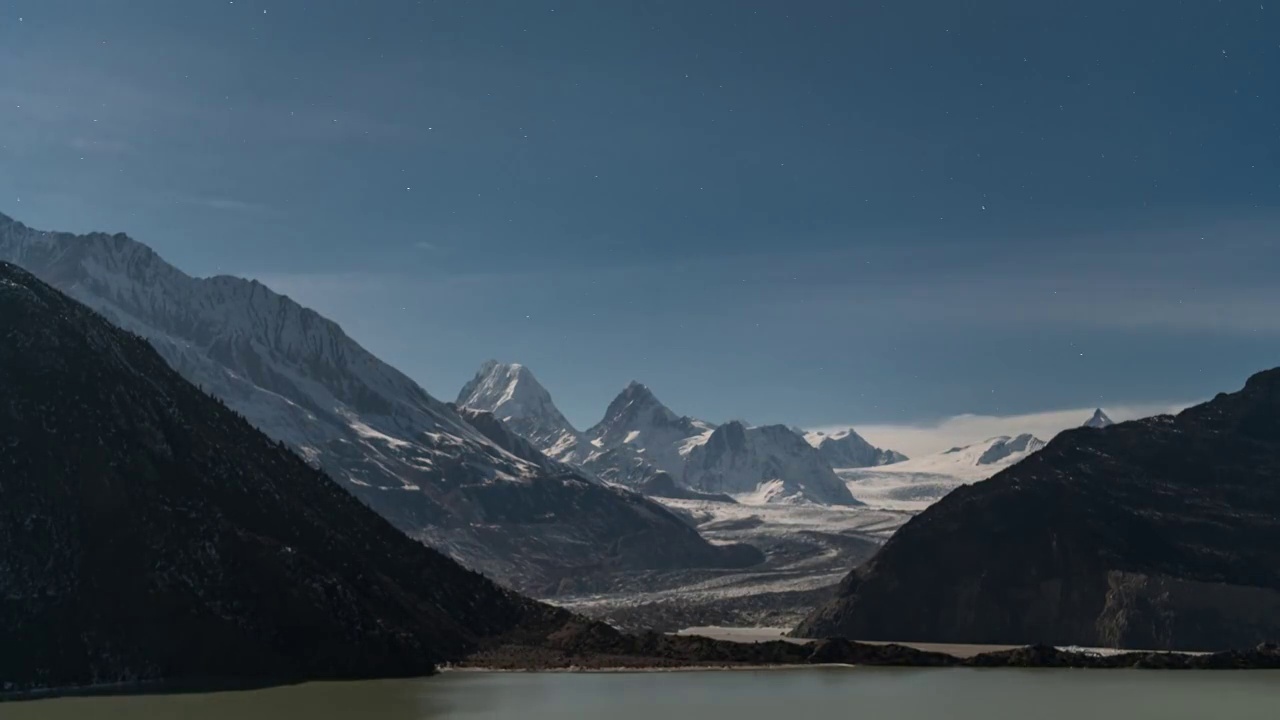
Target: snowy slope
299	378
763	464
640	438
848	449
915	484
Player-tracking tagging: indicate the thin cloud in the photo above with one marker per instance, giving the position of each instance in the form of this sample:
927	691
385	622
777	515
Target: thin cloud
424	245
928	438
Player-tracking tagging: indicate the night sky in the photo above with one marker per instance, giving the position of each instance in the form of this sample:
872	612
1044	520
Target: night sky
804	212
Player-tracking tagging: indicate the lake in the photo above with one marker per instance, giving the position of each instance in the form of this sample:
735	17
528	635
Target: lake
901	694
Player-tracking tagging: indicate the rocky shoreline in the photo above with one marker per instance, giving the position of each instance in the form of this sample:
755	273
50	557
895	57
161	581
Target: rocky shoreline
588	646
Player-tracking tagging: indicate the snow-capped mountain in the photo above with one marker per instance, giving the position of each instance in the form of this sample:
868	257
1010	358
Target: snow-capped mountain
640	439
763	464
917	483
637	420
1000	449
511	392
300	379
514	395
1099	420
848	449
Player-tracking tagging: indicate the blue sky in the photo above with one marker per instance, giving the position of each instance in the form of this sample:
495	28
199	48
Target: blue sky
812	212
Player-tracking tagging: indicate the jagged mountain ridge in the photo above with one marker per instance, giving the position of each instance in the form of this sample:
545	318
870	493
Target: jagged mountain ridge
640	438
770	461
1161	533
298	378
511	392
848	449
149	532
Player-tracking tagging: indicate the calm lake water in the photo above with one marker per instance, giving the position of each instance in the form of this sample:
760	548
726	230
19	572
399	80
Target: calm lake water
743	695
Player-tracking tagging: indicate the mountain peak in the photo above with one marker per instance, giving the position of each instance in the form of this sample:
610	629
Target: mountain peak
636	398
498	383
637	419
1099	420
638	391
514	395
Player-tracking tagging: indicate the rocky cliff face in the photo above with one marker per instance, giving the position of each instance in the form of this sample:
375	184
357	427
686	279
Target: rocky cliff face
300	379
1160	533
148	531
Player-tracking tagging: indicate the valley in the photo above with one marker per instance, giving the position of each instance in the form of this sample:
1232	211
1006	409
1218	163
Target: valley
410	360
809	548
648	518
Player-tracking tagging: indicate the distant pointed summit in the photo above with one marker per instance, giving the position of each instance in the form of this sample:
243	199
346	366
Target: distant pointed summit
514	396
637	420
636	403
1099	420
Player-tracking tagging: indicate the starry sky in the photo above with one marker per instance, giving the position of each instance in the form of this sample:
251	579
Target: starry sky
809	212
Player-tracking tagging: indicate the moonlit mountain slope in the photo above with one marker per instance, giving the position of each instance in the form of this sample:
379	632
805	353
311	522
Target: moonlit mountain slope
300	379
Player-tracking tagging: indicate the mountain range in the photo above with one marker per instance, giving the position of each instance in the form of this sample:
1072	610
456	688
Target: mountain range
301	380
639	438
1161	533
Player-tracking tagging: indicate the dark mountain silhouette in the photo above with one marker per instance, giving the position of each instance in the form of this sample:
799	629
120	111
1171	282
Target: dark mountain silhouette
1161	533
148	532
